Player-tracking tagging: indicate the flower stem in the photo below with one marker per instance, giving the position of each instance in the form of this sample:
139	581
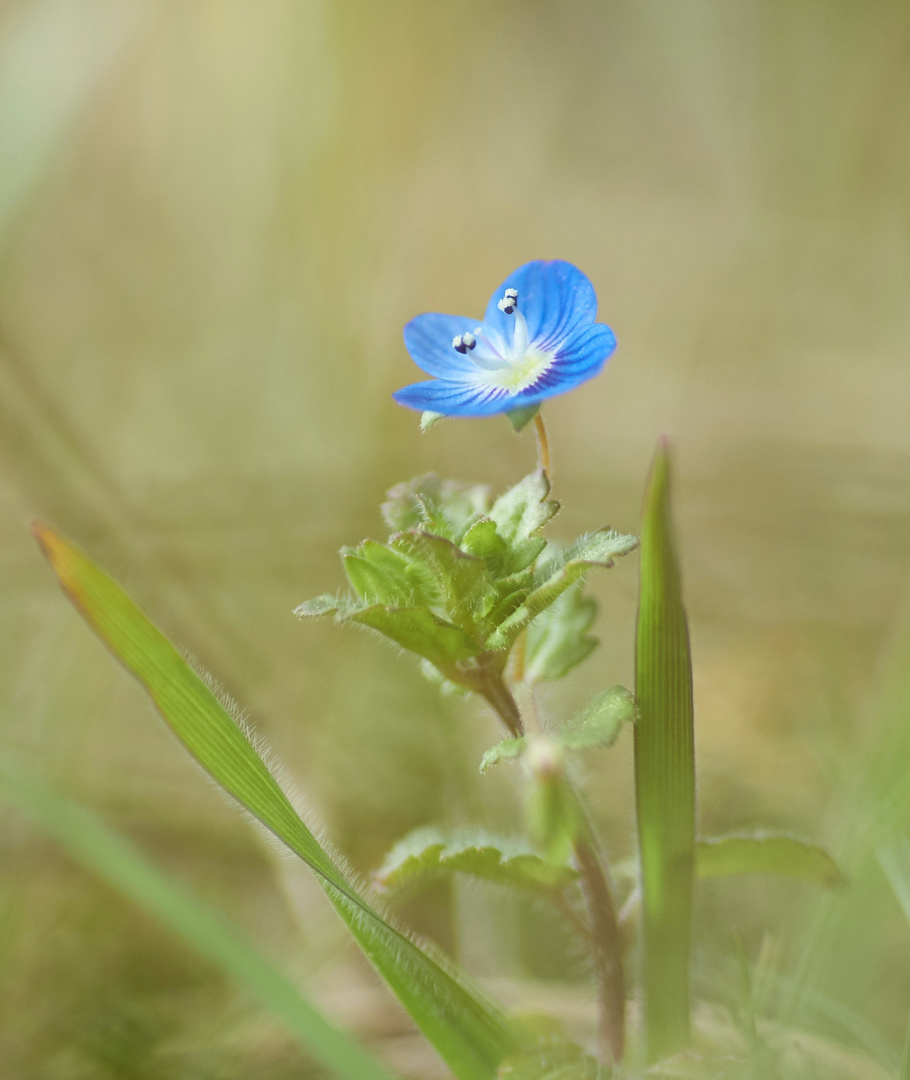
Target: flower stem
605	936
543	443
603	927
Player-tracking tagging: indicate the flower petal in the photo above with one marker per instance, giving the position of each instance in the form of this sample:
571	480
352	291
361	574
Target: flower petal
581	358
555	298
453	397
585	351
428	339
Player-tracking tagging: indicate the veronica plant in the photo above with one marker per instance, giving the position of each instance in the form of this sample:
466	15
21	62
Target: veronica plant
474	587
538	338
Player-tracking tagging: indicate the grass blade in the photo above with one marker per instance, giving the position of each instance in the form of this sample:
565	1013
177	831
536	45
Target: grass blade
90	842
664	773
470	1034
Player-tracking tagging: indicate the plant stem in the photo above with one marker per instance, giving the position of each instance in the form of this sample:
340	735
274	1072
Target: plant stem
611	992
543	444
499	697
603	930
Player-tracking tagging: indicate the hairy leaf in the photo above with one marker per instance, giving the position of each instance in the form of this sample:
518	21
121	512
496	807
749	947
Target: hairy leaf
600	722
597	725
507	750
419	630
609	546
444	507
381	575
371	584
462	580
766	853
520	513
326	604
537	601
558	639
432	853
510	593
598	548
483	540
470	1033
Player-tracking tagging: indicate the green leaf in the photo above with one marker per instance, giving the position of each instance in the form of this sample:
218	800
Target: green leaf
664	774
608	546
534	603
507	750
462	579
510	594
444	507
520	418
484	541
520	513
600	722
597	725
558	639
766	853
381	575
371	584
469	1033
431	853
419	630
326	604
95	846
598	548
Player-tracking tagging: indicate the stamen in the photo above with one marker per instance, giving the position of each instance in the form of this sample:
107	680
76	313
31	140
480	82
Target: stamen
459	344
509	301
468	340
519	335
488	355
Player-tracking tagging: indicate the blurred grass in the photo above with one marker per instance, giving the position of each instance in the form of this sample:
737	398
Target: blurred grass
214	219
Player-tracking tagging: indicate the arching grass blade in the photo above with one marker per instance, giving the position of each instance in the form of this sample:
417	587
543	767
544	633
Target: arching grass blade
469	1032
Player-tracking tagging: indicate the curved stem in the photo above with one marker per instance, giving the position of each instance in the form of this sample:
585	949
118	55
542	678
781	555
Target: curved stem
543	444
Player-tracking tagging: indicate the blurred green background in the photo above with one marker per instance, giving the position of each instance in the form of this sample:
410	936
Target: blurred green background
215	218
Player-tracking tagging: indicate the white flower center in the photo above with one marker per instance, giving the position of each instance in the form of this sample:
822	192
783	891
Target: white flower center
511	366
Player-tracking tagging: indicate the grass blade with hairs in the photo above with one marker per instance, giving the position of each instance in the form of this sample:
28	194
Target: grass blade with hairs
469	1033
664	773
98	848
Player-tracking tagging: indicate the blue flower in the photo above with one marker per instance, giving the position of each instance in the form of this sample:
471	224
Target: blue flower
538	338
